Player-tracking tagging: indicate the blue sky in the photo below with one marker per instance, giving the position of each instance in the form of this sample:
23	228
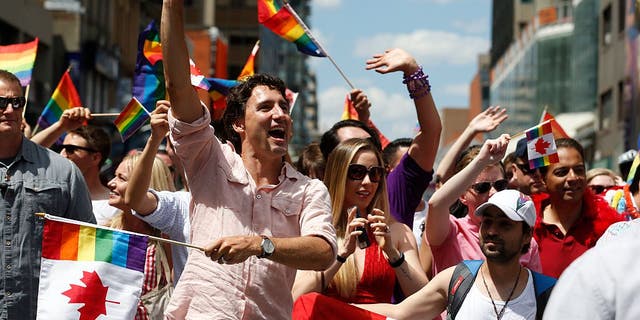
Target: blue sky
445	36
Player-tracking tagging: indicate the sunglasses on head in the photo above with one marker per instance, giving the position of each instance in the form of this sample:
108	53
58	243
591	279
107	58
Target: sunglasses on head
16	102
598	189
525	168
358	172
484	187
69	148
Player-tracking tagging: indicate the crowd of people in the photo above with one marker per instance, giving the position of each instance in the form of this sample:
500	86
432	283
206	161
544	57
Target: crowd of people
345	232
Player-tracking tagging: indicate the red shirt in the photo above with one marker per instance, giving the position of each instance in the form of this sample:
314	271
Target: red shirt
557	251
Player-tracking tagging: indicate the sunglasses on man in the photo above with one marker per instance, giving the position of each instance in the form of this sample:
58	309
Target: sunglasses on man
484	187
358	172
525	169
16	102
69	148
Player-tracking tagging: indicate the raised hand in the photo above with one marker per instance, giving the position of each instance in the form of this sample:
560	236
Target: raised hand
362	104
489	119
351	234
493	150
160	119
74	118
392	60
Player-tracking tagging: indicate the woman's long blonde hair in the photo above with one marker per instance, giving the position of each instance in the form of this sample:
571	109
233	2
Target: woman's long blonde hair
160	181
335	178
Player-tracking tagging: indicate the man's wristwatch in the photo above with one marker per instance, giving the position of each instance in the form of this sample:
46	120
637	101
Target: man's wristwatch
267	247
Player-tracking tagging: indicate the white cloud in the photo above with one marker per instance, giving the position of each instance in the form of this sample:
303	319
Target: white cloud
478	26
327	3
430	47
458	89
393	114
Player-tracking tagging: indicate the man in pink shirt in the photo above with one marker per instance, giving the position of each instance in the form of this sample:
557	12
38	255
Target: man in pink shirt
258	218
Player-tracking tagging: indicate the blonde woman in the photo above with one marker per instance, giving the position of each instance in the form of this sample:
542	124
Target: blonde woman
356	181
157	254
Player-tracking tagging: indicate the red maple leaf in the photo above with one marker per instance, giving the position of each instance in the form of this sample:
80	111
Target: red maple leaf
93	296
541	146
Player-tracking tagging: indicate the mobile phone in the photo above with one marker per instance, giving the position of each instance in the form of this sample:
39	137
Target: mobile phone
363	238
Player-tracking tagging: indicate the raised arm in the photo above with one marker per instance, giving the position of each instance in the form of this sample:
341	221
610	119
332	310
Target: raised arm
70	119
184	100
137	195
425	145
485	121
437	224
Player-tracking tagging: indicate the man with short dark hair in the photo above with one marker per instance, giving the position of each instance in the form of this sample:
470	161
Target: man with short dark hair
32	179
500	286
258	218
528	181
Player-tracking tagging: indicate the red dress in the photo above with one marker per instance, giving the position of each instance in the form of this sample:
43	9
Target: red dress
378	278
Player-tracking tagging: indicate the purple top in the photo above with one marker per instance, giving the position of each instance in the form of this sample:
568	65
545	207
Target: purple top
405	185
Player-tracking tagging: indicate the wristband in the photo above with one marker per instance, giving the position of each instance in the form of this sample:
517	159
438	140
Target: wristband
341	259
398	262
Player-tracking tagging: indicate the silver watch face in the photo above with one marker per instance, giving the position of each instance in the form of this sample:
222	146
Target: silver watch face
267	246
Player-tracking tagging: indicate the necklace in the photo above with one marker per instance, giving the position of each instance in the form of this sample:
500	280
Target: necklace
495	309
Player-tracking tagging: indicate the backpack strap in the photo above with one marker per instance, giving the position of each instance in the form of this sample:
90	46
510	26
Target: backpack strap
543	285
461	281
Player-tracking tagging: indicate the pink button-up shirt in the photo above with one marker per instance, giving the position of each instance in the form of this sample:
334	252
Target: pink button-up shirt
227	202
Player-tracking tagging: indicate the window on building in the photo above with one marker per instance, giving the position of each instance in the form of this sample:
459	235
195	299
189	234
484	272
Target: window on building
621	14
606	109
606	26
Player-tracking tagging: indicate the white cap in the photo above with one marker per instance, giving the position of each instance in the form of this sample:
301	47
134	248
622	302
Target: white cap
514	204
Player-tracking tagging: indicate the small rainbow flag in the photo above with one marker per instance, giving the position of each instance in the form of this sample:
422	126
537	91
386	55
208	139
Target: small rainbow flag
218	90
64	97
284	22
76	242
148	77
19	59
541	145
132	117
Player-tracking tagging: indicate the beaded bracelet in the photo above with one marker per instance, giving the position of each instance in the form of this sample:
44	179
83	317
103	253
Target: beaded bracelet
417	84
341	259
398	262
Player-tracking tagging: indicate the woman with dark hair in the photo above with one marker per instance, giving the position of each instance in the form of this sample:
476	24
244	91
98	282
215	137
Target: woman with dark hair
374	251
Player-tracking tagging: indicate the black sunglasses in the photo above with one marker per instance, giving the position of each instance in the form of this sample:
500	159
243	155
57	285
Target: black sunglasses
484	187
358	172
525	169
72	148
597	189
16	102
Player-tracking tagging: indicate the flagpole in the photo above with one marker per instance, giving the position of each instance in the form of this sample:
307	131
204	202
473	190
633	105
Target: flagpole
105	114
26	96
524	131
306	29
55	218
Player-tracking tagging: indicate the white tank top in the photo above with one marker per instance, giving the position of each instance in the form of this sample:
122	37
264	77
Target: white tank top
478	306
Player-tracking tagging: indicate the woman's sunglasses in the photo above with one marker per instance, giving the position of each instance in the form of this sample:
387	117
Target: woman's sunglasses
598	189
484	187
69	148
358	172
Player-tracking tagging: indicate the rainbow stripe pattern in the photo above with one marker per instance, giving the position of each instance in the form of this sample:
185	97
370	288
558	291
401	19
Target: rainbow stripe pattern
541	146
282	21
64	97
19	59
68	241
148	77
132	117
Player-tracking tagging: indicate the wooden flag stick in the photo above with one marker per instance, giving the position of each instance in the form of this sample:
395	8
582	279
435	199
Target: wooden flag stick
26	98
524	131
54	218
115	114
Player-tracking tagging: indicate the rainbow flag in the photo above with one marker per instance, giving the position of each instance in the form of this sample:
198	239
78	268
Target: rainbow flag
148	77
88	271
249	66
19	59
541	145
218	90
64	97
349	113
132	117
197	78
284	22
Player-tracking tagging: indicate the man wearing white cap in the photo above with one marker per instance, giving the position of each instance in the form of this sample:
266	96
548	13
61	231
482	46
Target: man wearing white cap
504	288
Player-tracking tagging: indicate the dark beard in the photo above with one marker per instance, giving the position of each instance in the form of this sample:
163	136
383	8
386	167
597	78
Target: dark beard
499	254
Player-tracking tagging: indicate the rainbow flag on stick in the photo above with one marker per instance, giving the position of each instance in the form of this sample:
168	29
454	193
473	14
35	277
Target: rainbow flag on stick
132	117
349	113
148	78
284	22
88	271
64	97
541	145
19	59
